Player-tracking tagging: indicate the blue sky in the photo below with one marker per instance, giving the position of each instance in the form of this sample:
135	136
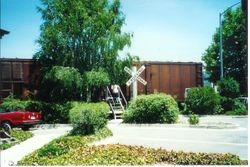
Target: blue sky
163	30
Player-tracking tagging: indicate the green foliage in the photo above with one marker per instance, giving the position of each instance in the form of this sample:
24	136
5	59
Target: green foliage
234	49
96	80
117	74
56	149
19	135
10	103
81	34
228	87
55	112
87	118
238	108
62	84
130	155
203	100
51	112
193	119
154	108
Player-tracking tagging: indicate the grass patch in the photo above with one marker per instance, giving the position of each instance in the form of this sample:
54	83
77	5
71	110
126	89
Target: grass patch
19	135
74	150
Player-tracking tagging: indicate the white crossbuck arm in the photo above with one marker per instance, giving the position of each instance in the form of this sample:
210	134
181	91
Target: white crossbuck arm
135	76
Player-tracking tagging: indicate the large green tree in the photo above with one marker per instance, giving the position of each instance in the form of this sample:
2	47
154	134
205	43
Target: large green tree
84	34
234	49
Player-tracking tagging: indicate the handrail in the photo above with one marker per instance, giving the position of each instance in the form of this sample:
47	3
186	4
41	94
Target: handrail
123	96
109	93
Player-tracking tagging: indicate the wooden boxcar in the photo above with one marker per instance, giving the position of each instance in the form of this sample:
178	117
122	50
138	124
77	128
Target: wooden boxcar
169	77
18	76
22	75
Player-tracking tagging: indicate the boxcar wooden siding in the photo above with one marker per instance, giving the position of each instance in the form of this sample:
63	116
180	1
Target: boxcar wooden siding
169	77
18	75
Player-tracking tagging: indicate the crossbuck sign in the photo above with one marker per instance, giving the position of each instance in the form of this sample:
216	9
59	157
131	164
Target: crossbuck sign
135	76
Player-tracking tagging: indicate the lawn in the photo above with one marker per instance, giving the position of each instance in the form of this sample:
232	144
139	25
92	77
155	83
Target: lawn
19	135
75	150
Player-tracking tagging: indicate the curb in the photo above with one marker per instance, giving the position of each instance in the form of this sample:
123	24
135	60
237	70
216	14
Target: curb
52	126
203	125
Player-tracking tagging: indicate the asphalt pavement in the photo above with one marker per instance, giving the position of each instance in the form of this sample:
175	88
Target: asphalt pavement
191	139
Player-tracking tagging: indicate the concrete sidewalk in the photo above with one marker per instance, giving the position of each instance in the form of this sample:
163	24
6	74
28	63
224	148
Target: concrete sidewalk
41	137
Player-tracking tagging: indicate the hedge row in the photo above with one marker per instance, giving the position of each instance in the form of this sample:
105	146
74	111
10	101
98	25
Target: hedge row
51	112
59	112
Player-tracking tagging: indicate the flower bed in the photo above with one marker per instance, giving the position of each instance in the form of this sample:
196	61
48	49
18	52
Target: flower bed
74	150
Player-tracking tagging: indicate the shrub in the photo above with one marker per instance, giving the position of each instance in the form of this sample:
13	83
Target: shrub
62	84
193	119
227	103
203	100
228	87
154	108
87	118
238	108
56	112
10	103
51	112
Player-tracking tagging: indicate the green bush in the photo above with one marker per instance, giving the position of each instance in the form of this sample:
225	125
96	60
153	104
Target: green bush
62	84
56	112
203	100
238	108
51	112
87	118
227	103
154	108
228	87
193	119
10	103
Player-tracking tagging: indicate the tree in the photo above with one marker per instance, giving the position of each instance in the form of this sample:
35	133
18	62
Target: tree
62	84
96	81
234	50
83	34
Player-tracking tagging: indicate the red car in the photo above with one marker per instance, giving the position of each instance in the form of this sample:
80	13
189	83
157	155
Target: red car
23	119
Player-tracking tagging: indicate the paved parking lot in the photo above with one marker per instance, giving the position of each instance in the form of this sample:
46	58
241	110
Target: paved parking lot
233	140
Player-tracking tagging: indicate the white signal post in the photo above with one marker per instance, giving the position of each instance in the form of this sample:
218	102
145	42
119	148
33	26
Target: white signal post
134	82
135	76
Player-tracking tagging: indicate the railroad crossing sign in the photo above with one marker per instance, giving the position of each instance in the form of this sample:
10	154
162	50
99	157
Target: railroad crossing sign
135	76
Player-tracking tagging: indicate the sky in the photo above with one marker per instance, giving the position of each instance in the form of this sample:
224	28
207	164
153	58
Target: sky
163	30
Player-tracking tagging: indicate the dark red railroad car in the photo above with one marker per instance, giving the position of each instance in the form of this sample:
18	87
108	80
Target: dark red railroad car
169	77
